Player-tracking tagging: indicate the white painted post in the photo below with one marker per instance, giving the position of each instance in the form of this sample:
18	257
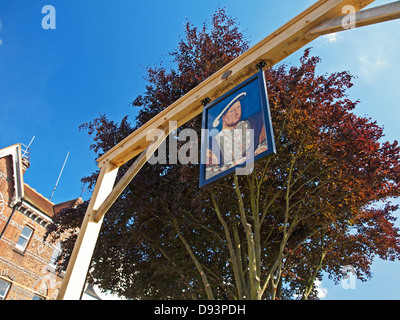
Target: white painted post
75	275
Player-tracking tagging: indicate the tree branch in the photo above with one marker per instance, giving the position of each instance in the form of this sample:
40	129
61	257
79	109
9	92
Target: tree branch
199	267
234	262
254	280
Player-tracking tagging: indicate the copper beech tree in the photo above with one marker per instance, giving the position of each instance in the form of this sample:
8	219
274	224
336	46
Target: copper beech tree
321	203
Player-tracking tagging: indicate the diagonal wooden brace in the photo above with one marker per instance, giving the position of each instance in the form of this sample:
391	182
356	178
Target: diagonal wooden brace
128	176
104	195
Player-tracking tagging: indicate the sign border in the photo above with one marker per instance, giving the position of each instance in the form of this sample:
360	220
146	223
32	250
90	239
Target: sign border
260	77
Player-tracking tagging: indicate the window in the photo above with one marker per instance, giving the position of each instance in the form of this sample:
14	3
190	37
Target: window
54	256
24	238
4	287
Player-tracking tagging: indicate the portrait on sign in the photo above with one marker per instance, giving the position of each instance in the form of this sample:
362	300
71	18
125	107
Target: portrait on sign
237	131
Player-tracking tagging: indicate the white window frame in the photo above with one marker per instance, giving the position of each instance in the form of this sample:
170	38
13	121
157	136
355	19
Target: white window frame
3	296
27	239
57	249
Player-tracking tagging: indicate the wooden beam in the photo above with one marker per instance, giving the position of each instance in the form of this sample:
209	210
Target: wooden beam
362	18
277	46
129	175
75	275
289	38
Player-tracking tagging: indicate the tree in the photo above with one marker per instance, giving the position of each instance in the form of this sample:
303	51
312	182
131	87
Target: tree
311	208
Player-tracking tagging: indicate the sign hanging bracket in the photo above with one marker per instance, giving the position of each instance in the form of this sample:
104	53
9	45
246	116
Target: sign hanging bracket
262	64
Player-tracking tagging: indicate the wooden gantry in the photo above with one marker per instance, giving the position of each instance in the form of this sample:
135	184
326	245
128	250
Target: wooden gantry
323	17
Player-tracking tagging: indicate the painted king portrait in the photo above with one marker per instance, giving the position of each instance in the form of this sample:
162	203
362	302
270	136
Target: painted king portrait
237	131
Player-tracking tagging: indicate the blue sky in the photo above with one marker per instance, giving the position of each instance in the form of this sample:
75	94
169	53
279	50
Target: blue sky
52	81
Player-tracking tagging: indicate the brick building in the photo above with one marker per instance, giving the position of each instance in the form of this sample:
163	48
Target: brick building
27	262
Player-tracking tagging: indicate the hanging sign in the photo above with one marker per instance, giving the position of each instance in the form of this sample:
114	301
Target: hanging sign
236	132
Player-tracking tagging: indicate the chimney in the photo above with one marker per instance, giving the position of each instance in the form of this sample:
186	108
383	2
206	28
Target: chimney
25	158
25	165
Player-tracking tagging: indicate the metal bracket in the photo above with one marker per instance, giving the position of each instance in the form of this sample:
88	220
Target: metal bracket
206	101
226	74
261	65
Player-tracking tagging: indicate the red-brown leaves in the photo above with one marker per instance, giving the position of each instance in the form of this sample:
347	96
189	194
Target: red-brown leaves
312	207
352	170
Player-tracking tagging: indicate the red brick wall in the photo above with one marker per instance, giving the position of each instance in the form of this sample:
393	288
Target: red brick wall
6	179
28	271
